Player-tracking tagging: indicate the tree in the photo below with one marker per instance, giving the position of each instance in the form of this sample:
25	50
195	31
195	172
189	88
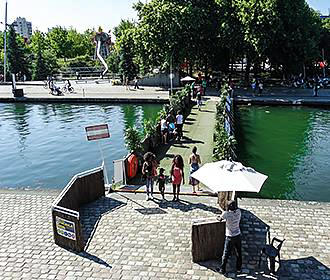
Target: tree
325	39
297	35
176	30
80	44
44	62
127	67
18	56
58	42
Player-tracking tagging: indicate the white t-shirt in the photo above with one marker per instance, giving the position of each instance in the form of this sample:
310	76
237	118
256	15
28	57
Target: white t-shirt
232	222
163	124
179	119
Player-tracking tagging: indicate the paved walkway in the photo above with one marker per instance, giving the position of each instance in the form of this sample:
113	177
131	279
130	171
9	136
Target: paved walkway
87	92
138	239
197	131
283	96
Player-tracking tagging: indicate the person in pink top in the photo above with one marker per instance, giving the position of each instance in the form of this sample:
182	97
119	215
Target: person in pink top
177	175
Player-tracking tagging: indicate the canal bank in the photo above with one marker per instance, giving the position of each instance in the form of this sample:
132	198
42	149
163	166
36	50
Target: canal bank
283	96
88	93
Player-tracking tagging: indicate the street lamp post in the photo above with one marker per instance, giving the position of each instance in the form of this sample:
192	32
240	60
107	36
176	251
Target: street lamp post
5	47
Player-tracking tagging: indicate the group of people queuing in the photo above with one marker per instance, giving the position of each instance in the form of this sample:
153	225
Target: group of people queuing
171	127
176	174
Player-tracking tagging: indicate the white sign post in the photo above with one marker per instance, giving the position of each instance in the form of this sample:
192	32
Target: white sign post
97	132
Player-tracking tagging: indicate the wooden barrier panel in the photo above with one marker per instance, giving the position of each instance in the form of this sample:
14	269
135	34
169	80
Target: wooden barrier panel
208	237
67	230
83	188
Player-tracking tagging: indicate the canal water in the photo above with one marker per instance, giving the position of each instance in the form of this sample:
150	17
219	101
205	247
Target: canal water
43	145
289	144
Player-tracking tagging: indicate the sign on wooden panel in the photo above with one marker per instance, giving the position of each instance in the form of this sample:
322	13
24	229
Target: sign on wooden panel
65	228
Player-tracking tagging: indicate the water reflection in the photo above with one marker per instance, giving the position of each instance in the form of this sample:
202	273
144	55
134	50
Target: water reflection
44	145
20	117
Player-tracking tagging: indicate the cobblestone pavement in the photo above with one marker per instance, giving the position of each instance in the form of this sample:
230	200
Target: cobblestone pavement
138	239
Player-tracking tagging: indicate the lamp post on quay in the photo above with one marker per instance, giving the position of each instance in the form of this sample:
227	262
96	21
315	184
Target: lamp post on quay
5	45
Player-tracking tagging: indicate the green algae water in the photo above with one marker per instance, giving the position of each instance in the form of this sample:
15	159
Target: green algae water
43	145
289	144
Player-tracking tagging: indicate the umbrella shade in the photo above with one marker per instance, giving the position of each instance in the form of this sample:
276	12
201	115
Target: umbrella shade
187	79
229	176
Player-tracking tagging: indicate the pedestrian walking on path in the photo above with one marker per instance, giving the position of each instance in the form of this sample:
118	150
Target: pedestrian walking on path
148	171
199	100
177	175
194	162
179	124
136	83
164	130
161	182
233	236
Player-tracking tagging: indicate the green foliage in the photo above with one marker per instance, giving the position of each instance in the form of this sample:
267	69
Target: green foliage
149	127
133	139
127	67
44	62
296	36
78	61
18	54
325	39
176	29
223	144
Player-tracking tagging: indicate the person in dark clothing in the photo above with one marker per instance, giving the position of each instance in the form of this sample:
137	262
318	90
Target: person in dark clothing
315	86
161	182
233	236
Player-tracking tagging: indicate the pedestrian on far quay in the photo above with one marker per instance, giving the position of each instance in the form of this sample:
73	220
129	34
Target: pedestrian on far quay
148	171
233	236
261	87
179	124
177	175
315	86
161	182
136	83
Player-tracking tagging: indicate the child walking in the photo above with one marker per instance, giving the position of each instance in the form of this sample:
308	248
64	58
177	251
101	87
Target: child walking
177	176
161	182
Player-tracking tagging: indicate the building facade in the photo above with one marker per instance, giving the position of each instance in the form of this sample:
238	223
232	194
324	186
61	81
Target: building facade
23	27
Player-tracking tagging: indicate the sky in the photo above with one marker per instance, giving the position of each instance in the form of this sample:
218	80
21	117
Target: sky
84	14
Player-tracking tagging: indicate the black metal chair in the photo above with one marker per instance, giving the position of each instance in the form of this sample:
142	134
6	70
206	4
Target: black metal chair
272	252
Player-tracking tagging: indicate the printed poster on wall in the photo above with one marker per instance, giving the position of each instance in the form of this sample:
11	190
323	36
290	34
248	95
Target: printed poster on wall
65	228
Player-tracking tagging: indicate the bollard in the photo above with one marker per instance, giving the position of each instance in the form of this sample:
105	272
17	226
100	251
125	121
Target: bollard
83	92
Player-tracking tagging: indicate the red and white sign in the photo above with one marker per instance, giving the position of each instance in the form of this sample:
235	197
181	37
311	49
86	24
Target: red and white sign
97	132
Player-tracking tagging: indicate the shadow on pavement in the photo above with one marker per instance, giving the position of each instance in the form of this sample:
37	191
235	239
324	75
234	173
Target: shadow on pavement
92	213
304	268
185	206
254	238
94	259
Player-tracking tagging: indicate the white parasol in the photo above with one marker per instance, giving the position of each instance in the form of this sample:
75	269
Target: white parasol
226	175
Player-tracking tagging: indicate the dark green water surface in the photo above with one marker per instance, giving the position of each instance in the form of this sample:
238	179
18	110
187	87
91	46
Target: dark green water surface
43	145
289	144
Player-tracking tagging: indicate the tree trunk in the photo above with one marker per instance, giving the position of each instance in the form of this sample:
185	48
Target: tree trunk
247	72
